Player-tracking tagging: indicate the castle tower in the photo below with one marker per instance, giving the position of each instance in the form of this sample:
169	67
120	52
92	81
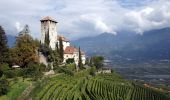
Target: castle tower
49	26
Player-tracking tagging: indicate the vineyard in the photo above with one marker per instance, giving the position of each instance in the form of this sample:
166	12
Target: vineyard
83	86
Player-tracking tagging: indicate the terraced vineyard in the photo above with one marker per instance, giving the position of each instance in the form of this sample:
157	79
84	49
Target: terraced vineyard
100	87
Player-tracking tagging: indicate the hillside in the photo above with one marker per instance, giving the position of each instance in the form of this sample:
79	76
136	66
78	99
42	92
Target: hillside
151	45
83	86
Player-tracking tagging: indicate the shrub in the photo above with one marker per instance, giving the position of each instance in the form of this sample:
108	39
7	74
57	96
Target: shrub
93	71
9	74
71	67
70	61
7	71
64	70
33	70
4	67
4	86
1	73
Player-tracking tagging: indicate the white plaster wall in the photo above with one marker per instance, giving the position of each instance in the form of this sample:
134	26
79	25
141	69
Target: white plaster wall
65	44
75	56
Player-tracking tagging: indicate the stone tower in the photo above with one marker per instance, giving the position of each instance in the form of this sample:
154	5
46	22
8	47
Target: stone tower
49	26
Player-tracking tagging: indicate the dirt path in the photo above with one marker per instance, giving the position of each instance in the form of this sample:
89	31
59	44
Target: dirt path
26	92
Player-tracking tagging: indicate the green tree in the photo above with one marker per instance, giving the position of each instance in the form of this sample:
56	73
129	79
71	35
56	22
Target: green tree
56	58
47	38
51	55
1	73
13	56
97	61
80	64
87	61
57	48
3	46
61	51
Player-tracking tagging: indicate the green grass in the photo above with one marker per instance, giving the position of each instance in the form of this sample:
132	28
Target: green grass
16	88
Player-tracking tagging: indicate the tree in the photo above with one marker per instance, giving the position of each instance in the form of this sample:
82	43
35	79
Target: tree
26	48
1	73
47	38
25	30
51	55
56	58
87	61
57	48
97	61
3	46
61	51
13	56
80	64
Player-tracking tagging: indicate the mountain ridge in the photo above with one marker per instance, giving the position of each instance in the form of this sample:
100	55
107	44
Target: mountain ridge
152	44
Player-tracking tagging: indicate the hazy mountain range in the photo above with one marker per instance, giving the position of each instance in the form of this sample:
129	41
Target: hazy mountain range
154	44
11	40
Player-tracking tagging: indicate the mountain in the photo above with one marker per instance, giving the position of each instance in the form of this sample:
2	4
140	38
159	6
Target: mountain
11	40
154	44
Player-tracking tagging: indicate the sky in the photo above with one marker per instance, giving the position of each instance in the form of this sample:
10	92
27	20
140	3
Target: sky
82	18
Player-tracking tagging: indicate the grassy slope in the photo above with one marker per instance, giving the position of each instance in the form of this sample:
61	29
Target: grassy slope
16	88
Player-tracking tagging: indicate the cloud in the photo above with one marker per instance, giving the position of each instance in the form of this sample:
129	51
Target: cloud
79	18
98	23
18	26
153	16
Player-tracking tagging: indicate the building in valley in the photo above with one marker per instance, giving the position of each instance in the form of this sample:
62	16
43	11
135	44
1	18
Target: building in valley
49	28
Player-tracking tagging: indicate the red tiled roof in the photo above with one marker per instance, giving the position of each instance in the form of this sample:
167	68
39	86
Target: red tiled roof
48	18
71	50
63	38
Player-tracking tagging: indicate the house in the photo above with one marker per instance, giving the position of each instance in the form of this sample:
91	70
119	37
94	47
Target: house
65	41
73	53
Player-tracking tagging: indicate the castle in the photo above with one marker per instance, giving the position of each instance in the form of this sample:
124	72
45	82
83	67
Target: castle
49	26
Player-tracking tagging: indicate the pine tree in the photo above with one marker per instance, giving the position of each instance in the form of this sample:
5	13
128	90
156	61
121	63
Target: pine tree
47	38
57	48
25	30
3	46
80	64
56	58
61	51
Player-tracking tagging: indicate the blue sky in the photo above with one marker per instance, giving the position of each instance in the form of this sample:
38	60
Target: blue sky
81	18
134	3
